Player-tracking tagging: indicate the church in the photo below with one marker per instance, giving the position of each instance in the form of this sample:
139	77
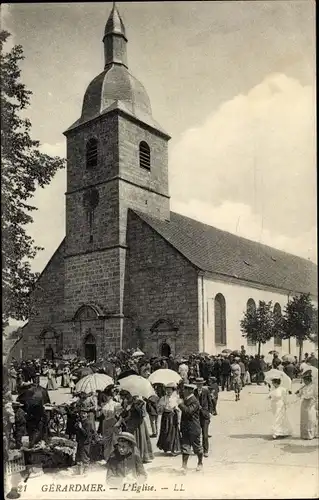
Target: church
130	272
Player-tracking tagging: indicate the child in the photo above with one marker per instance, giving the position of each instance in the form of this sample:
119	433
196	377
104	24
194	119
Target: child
84	436
125	462
152	410
214	390
20	428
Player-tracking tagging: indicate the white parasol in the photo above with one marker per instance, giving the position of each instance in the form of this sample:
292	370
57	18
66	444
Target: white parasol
137	353
164	376
93	383
137	386
288	357
278	374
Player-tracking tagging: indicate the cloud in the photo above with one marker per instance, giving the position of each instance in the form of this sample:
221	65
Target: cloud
57	149
255	156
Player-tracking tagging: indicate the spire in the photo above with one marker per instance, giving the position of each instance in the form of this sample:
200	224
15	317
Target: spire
115	39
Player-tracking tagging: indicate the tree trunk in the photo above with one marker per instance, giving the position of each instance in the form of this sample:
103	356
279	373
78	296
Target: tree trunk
289	345
300	349
259	348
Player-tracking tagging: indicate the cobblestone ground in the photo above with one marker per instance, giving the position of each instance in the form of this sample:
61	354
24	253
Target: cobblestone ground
244	462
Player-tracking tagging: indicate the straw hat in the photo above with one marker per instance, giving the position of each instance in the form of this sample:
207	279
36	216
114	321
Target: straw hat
127	436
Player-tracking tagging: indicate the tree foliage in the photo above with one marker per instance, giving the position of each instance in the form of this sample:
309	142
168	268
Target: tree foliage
258	323
300	320
24	168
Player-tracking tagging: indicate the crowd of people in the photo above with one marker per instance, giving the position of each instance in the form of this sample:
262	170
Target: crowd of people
111	425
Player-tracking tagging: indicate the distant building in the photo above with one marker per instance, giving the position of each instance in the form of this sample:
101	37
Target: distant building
129	271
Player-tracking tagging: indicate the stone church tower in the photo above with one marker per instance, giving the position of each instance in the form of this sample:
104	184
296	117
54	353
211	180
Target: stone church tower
117	158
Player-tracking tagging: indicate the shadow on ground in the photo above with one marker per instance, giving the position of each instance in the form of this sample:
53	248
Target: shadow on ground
265	437
251	436
171	471
299	448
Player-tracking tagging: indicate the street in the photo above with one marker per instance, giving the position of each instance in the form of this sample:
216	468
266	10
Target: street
244	461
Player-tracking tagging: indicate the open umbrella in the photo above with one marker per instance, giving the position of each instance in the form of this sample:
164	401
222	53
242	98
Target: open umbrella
164	376
137	386
104	367
288	357
236	353
138	353
126	373
203	354
226	351
273	352
33	396
82	372
278	374
94	382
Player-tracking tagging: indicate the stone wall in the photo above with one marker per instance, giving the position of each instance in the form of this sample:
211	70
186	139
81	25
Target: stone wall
105	130
129	138
93	278
47	305
105	225
160	284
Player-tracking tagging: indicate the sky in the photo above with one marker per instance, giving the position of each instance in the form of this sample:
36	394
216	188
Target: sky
232	82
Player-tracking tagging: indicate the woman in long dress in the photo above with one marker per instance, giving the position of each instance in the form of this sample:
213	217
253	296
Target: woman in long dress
66	373
51	376
169	437
110	423
278	396
236	378
12	379
308	409
133	421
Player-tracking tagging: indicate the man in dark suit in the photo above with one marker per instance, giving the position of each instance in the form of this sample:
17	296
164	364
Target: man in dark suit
206	408
225	371
190	427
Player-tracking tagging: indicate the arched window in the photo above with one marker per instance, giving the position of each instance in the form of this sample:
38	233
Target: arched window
220	319
86	313
91	153
251	308
277	316
145	155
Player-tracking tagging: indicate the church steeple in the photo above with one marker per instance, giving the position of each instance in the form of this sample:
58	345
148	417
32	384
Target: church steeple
115	40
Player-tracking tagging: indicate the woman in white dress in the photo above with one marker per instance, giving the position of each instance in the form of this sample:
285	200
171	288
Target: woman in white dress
278	396
111	421
66	374
308	409
52	382
236	378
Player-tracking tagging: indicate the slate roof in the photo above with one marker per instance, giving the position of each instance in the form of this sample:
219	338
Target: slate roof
215	251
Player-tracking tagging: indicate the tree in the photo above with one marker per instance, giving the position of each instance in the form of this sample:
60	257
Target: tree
257	324
24	168
300	320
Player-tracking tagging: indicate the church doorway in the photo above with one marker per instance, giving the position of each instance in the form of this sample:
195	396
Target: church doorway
165	349
51	342
90	348
49	353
